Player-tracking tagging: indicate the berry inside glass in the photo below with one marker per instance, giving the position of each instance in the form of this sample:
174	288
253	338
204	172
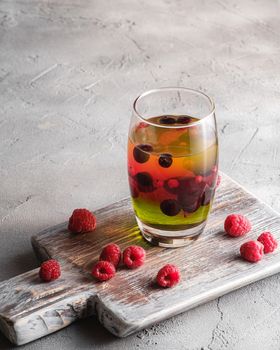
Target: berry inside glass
172	164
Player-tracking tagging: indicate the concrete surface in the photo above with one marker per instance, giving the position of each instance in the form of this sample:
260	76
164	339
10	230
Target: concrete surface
69	71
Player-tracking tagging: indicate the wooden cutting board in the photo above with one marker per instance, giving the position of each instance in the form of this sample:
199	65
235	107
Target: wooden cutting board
210	267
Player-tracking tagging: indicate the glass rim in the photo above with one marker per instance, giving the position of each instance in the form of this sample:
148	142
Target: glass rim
172	126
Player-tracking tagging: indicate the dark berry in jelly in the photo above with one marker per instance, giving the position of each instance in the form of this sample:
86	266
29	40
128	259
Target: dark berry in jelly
145	182
190	194
133	187
189	203
209	176
210	180
191	208
141	153
167	120
134	192
189	185
172	185
206	197
165	160
170	207
184	120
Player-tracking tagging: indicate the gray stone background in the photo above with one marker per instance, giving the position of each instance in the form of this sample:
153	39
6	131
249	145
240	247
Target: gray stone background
69	71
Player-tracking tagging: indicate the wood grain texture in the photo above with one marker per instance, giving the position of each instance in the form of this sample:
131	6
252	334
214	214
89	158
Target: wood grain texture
131	301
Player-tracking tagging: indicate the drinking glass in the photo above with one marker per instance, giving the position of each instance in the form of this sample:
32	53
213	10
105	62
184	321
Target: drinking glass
172	164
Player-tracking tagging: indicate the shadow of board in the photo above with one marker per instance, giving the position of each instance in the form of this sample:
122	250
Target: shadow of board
88	331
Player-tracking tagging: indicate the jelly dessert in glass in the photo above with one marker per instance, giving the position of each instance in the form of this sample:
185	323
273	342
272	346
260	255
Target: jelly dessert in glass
172	164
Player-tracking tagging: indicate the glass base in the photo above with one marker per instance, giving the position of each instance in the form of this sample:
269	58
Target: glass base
170	239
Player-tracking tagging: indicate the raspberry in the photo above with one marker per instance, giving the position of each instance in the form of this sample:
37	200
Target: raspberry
111	253
214	169
82	220
219	179
157	183
252	251
168	276
173	183
103	270
237	225
198	179
142	125
50	270
269	242
134	256
209	179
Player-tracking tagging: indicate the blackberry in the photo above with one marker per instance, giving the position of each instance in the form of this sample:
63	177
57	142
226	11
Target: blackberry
167	120
141	153
165	160
170	207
